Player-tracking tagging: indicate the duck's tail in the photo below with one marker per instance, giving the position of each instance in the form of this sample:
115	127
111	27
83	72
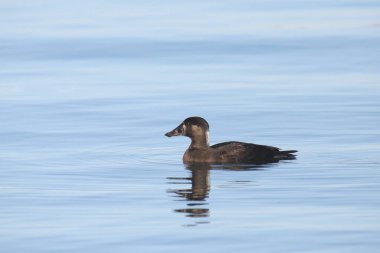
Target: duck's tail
286	154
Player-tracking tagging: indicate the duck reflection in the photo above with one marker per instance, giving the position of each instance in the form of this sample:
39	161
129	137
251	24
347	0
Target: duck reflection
197	194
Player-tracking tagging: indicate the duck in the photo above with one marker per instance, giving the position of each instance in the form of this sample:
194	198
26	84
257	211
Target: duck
231	152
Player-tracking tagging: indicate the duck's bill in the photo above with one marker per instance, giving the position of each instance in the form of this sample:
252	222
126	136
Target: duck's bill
175	132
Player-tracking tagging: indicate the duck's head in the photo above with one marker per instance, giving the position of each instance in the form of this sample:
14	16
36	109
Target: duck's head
193	127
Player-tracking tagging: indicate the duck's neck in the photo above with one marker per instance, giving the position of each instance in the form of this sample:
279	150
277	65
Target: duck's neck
200	141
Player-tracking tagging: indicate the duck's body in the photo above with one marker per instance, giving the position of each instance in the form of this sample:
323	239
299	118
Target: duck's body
236	152
200	150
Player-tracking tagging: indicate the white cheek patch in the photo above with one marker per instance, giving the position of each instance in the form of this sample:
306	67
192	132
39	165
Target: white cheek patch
183	129
208	137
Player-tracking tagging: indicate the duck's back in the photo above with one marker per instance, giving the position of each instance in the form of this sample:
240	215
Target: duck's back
241	152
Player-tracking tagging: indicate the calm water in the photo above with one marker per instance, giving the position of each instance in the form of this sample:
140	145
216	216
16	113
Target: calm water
88	89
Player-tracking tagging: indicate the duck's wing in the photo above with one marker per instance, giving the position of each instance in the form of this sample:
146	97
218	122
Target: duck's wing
241	152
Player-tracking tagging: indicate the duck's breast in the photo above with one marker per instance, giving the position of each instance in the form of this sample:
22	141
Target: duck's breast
199	155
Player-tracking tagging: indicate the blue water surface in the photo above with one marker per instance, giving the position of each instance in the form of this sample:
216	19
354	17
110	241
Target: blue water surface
88	89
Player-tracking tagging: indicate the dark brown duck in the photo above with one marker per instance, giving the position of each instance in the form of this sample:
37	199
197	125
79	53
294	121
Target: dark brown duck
200	151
